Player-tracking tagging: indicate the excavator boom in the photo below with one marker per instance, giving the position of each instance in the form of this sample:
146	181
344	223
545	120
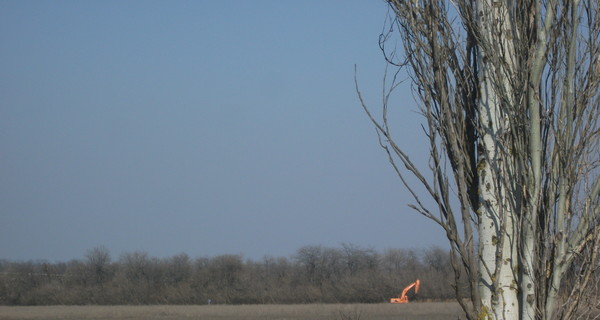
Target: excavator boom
403	298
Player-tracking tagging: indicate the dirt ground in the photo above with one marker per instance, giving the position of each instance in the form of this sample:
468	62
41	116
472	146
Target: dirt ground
411	311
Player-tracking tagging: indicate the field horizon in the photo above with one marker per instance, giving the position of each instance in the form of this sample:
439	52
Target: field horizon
380	311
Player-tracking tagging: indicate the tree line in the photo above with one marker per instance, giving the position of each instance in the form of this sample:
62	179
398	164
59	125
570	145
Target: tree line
346	274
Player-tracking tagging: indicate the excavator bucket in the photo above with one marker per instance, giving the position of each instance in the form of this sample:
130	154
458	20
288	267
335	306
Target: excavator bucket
399	300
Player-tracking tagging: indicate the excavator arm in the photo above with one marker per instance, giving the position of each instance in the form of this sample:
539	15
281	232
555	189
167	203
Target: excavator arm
403	298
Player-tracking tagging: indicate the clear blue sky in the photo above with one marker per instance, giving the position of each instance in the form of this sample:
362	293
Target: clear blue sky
203	127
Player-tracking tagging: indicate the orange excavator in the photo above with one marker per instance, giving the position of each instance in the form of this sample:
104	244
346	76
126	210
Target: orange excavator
403	298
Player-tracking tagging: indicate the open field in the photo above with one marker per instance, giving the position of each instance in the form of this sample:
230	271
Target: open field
416	311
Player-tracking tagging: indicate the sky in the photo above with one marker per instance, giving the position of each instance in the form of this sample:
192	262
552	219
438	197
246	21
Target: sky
198	127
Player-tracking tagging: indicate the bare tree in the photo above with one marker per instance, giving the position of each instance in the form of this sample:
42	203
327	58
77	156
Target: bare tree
97	265
509	91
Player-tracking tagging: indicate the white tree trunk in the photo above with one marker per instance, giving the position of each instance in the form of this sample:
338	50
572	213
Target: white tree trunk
497	231
529	232
497	242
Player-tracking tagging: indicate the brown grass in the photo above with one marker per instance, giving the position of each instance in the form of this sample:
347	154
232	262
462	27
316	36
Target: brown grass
413	311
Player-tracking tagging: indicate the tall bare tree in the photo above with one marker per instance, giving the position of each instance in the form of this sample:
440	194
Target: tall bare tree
509	91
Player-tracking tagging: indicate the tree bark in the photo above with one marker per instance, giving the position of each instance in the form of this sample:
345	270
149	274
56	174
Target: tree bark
497	224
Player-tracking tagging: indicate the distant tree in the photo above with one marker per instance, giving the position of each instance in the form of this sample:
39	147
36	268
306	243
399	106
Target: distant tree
140	278
179	268
176	282
98	263
311	259
225	278
276	276
136	266
438	272
359	259
510	95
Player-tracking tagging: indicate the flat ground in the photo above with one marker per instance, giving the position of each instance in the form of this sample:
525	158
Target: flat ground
411	311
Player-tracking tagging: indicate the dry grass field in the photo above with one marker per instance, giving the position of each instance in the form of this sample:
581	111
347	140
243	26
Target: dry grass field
412	311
